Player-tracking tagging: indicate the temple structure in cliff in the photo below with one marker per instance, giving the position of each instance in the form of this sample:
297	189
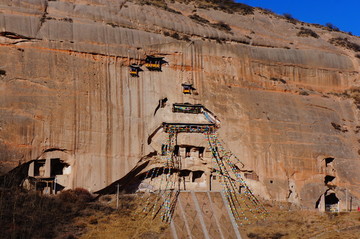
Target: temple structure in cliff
193	159
154	63
47	176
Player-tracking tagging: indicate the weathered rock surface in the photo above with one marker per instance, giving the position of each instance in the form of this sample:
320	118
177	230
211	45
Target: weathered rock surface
65	91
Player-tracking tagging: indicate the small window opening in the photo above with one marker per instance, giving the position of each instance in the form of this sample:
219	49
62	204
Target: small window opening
176	150
328	161
201	152
187	152
39	167
271	181
328	179
196	176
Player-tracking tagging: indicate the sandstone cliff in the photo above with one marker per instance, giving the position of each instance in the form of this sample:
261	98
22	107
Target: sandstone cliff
286	98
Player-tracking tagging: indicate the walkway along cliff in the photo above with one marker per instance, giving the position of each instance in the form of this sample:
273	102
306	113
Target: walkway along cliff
94	87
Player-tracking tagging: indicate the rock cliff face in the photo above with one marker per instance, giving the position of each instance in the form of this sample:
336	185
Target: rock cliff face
287	100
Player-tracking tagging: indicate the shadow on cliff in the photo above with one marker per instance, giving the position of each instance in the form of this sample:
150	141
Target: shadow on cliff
128	184
15	177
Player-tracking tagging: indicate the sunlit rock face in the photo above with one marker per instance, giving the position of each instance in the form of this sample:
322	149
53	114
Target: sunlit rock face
66	91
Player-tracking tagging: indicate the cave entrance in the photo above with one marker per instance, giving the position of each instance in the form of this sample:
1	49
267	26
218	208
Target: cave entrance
331	203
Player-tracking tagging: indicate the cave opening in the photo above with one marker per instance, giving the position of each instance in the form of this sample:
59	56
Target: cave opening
331	202
328	161
328	179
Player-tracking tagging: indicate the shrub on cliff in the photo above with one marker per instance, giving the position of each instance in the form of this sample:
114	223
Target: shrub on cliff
290	18
199	19
158	3
228	6
304	32
222	26
175	35
219	25
332	27
344	42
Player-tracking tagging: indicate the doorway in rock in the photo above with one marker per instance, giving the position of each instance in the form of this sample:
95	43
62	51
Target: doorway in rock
331	203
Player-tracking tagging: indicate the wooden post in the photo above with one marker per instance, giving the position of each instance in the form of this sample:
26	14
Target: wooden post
54	186
117	196
346	193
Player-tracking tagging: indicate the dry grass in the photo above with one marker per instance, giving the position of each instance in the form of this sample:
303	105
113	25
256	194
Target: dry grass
129	221
286	224
72	215
30	215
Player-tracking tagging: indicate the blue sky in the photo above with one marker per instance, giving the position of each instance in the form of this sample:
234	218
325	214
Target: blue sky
342	14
